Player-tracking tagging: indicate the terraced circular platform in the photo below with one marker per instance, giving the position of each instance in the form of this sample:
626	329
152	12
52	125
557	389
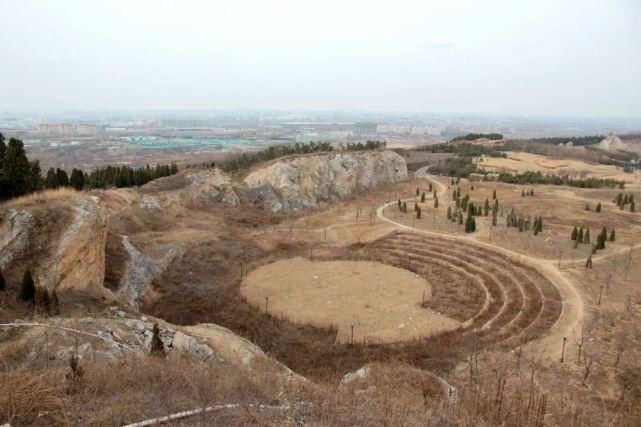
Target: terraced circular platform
497	299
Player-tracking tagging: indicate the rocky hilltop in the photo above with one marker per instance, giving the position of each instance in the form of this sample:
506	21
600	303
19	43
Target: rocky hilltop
302	182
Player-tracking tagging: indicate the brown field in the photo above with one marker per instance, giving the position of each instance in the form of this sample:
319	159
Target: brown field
517	162
382	302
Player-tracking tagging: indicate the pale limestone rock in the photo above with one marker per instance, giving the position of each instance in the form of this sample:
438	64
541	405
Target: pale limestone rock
302	182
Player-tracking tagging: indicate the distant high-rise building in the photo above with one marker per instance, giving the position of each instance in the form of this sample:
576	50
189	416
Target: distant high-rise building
67	129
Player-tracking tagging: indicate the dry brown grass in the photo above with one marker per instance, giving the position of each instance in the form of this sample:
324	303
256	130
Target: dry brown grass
62	193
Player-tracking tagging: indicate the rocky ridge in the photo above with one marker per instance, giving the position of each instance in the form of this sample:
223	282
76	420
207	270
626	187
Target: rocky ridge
298	183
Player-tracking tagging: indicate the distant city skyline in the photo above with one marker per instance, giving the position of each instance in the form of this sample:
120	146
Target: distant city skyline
546	59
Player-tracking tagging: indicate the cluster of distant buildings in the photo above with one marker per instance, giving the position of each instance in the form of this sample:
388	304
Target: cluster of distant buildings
67	129
407	129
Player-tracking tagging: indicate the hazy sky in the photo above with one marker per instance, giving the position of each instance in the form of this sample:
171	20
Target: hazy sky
552	58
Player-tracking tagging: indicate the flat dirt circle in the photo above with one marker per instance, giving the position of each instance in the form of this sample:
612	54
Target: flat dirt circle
382	302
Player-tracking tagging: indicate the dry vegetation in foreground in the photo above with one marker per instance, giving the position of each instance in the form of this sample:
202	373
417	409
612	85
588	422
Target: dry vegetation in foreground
61	193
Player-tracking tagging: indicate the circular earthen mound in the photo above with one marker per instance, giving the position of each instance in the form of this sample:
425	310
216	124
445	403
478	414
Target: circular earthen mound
384	303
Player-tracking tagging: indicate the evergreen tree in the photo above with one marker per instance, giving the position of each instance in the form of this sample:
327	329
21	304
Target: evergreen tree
454	196
429	190
77	179
522	192
435	202
55	303
418	213
62	178
35	182
470	224
51	180
587	206
27	289
16	169
575	233
417	192
612	235
423	197
2	283
532	192
598	207
4	188
486	208
404	207
472	187
415	207
632	206
399	204
586	237
458	192
493	194
449	212
579	236
157	346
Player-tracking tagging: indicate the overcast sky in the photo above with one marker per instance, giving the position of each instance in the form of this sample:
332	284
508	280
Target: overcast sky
541	58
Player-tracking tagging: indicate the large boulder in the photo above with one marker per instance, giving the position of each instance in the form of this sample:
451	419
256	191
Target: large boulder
209	187
302	182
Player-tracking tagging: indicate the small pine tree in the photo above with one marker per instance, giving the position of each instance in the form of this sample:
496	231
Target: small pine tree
435	202
632	206
460	217
472	187
586	237
418	213
55	303
28	288
2	283
417	192
598	208
579	236
486	208
399	204
429	189
404	207
423	197
449	212
415	207
612	235
531	192
157	347
494	195
575	233
522	192
587	206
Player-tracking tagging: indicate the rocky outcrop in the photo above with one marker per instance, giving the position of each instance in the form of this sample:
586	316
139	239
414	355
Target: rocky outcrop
302	182
209	187
14	234
141	270
79	260
613	143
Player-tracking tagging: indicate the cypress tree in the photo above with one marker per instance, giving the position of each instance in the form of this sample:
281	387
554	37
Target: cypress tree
598	207
522	192
632	206
16	169
612	235
575	233
418	213
486	208
586	236
449	212
27	289
399	204
77	179
423	197
435	202
460	217
430	188
415	207
579	236
494	195
2	283
454	196
417	192
404	207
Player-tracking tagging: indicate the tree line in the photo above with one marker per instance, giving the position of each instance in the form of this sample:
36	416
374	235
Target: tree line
475	136
20	176
245	160
531	177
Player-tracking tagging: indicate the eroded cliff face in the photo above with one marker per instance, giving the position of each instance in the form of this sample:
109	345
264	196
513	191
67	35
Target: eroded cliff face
302	182
79	261
14	234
